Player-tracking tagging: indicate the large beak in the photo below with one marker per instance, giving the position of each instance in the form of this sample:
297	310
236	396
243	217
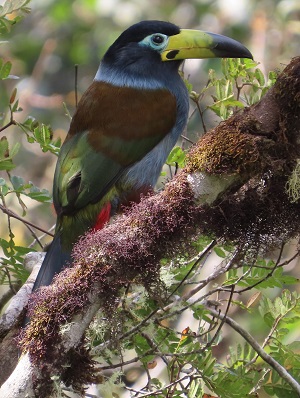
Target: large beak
197	44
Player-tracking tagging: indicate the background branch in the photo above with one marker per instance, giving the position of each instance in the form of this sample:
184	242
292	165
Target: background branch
260	351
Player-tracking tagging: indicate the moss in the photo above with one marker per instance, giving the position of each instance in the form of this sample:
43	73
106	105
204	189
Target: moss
113	257
287	93
254	219
225	150
81	369
259	214
293	184
257	137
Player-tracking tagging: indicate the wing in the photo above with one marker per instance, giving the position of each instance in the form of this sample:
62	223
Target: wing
113	128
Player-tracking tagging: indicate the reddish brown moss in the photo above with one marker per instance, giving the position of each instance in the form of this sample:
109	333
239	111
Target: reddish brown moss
259	214
81	369
253	218
287	93
129	249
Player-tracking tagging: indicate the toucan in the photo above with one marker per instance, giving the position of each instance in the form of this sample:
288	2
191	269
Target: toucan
123	129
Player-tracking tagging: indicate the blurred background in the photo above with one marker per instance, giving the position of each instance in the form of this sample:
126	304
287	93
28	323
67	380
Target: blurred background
47	44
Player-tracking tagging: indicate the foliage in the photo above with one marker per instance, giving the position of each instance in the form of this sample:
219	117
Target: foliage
11	263
10	8
186	351
188	354
236	75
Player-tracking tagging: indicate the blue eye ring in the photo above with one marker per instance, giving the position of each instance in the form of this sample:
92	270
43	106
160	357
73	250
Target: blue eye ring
156	41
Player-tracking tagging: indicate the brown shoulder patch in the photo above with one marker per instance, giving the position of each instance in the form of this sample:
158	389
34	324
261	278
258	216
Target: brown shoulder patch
124	112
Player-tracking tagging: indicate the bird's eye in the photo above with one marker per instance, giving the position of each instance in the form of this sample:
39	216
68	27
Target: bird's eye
158	39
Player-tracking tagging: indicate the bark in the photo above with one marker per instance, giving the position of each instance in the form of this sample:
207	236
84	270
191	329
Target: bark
12	317
239	169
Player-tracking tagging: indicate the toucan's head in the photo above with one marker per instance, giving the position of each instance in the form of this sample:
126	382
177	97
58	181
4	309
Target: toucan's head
156	41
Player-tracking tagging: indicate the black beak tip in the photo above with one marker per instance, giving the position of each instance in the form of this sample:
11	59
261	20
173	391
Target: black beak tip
229	48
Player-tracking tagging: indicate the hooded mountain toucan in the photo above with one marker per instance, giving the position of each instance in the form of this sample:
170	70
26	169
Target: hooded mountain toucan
124	127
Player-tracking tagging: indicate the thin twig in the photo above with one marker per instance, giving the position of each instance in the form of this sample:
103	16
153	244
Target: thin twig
198	258
266	357
212	276
272	270
40	238
201	113
187	139
154	346
11	121
210	343
159	392
9	294
12	214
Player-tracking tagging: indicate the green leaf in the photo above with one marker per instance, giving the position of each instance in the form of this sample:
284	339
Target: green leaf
16	108
23	250
249	63
220	252
5	246
5	158
17	183
259	76
5	70
272	77
4	152
289	280
11	6
6	164
4	189
40	196
15	149
176	156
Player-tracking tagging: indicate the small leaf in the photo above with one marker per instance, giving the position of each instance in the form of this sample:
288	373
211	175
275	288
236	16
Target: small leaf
31	140
42	196
259	76
151	364
23	250
5	158
176	156
17	183
220	252
13	96
15	149
4	153
249	63
5	70
289	280
6	165
15	107
253	299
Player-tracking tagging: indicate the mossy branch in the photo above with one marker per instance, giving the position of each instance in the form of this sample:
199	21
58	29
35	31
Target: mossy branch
233	186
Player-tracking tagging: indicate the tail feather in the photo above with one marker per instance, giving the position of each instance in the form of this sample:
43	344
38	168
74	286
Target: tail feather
55	260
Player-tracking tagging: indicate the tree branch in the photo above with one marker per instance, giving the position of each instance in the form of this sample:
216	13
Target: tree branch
237	171
12	214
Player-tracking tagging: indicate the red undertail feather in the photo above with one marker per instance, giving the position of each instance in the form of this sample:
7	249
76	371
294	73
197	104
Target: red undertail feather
103	217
